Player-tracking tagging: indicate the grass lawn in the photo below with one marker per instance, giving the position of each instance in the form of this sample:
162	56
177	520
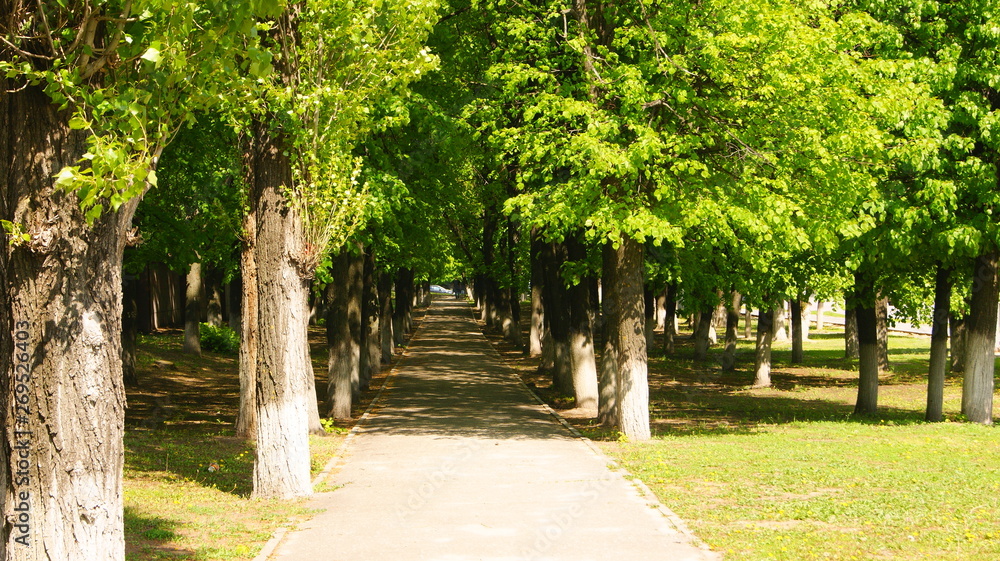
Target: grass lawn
786	472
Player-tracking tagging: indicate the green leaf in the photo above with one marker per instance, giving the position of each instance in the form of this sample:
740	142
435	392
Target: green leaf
152	55
78	123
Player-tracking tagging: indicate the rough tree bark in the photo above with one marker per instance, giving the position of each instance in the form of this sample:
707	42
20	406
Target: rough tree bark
762	353
192	311
214	295
130	329
780	333
537	307
937	369
246	421
956	330
607	407
557	317
702	339
399	304
797	335
343	333
868	368
882	331
234	293
385	304
632	388
661	309
670	318
851	343
732	324
581	333
60	346
285	396
649	321
371	342
980	337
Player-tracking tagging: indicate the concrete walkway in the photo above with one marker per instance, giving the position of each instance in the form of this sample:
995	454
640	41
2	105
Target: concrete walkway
458	462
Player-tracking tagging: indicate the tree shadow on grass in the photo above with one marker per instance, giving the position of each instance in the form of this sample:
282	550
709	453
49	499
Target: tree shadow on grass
150	537
211	460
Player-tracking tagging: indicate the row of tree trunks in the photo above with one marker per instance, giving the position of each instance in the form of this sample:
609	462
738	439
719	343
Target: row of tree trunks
535	333
937	369
343	332
607	408
868	361
402	314
669	317
371	340
557	316
388	343
732	325
581	333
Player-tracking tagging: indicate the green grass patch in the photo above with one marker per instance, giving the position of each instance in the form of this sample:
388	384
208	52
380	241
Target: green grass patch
787	473
187	478
833	490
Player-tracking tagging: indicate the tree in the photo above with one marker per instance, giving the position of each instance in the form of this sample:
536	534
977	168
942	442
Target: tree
331	64
90	96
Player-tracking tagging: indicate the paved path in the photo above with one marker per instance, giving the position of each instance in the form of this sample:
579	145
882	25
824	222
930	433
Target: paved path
458	462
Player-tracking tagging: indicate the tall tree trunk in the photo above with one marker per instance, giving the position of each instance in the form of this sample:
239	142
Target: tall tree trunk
130	329
670	319
661	309
632	387
409	287
343	333
762	354
402	304
284	370
581	333
851	344
537	305
882	330
557	308
213	297
732	324
748	322
246	421
956	329
980	337
60	346
804	306
607	407
192	311
701	335
649	319
234	294
386	314
780	334
371	341
937	369
820	320
512	313
868	370
718	320
797	335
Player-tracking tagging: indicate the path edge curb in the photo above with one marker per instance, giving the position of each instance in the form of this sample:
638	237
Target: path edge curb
644	491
